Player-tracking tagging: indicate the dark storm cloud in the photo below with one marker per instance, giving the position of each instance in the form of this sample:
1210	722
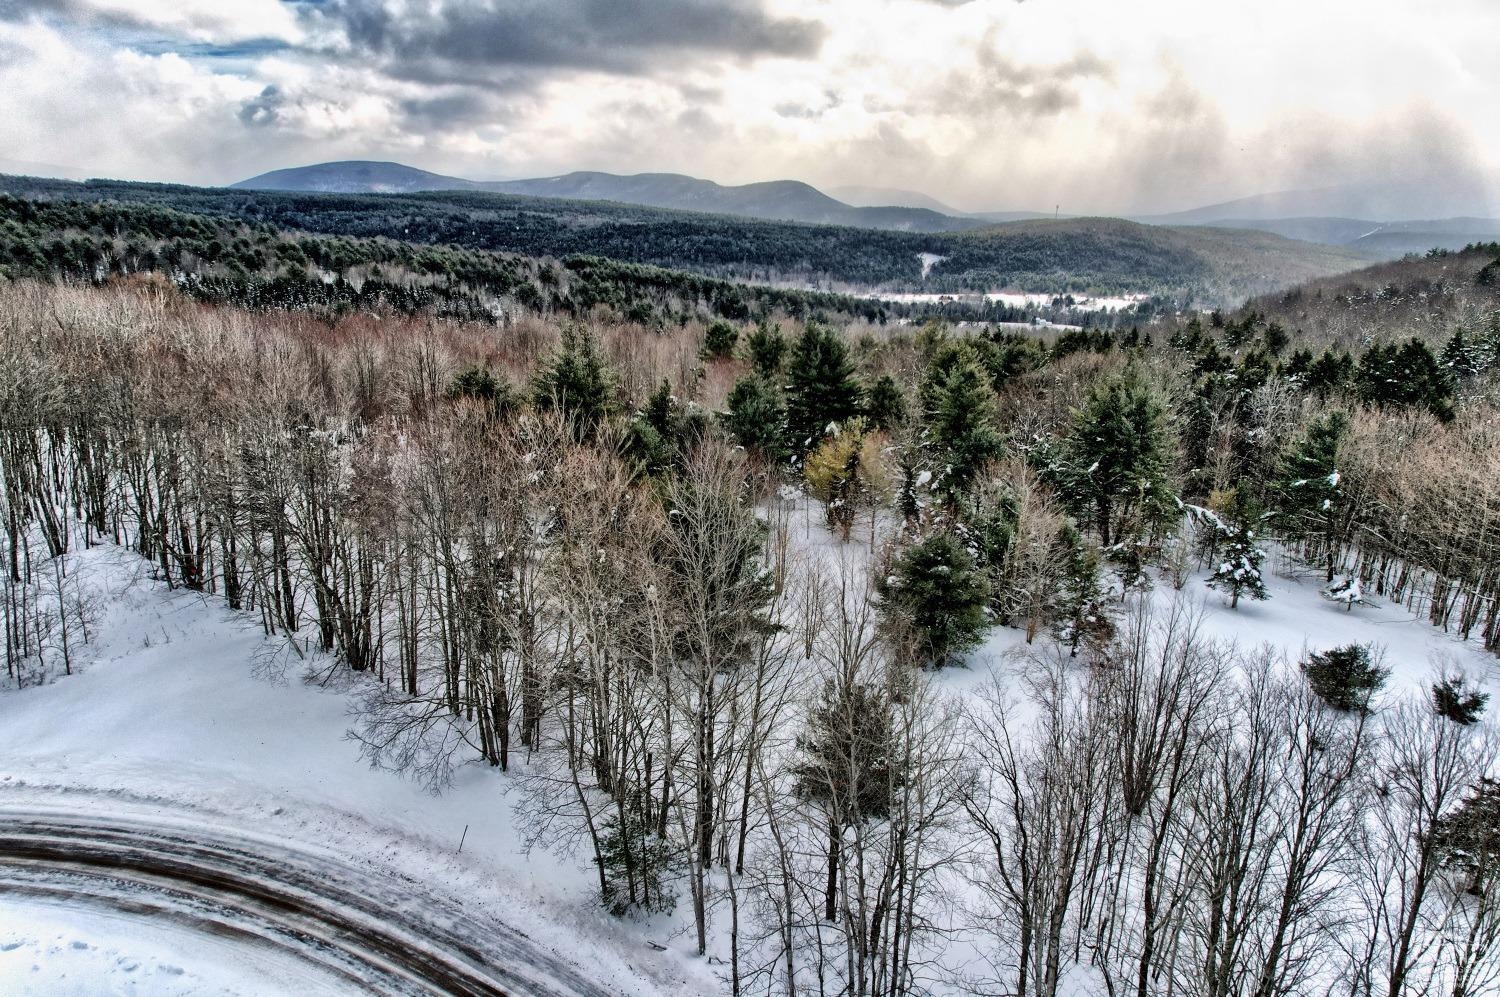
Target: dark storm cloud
447	110
435	40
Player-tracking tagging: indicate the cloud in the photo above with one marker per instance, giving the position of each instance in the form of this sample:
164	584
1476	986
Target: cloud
264	108
207	21
457	39
998	84
1091	104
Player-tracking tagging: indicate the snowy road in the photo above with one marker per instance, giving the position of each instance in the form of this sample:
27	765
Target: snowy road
349	928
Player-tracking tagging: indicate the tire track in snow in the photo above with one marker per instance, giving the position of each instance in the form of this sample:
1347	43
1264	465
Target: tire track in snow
383	933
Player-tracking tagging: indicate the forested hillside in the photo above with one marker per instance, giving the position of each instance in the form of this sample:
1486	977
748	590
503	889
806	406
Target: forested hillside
1431	296
259	265
1081	255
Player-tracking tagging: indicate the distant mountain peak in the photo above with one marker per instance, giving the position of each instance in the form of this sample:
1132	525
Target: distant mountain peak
354	176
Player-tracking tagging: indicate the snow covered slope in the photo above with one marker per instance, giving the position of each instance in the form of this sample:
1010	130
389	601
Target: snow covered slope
174	717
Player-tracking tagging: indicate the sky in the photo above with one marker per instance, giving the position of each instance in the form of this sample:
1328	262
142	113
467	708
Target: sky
1086	106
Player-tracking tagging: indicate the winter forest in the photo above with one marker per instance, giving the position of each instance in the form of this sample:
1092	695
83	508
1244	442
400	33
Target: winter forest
709	600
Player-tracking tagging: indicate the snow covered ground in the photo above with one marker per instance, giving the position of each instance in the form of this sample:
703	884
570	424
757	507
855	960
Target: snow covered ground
49	947
1296	619
172	715
1015	299
168	713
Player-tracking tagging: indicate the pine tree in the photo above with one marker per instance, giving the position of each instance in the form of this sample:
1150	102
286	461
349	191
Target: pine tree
847	473
1240	560
756	418
719	340
1080	618
1469	837
767	349
479	384
1457	700
821	389
663	430
1113	468
885	403
935	595
1345	677
961	425
578	382
1310	501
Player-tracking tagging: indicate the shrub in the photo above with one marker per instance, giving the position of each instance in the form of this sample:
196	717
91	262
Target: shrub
1458	701
1345	677
479	384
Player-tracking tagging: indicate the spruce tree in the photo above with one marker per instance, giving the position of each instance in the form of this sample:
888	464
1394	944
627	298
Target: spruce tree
935	596
1240	559
1114	462
885	403
821	389
638	864
578	382
756	418
961	426
767	349
1310	501
1330	373
1080	618
1405	375
1010	357
990	528
1463	360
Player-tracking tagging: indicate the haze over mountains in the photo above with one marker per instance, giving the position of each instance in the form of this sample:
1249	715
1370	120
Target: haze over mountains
1364	218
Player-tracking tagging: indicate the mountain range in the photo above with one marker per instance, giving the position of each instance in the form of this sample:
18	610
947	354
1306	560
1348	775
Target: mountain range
778	200
1351	216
